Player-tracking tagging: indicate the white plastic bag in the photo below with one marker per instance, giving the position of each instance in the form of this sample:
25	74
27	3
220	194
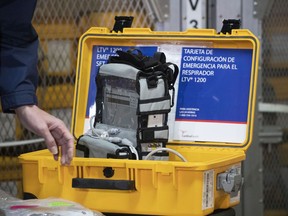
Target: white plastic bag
10	206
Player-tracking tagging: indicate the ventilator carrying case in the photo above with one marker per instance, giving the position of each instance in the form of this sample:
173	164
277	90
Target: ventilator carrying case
210	128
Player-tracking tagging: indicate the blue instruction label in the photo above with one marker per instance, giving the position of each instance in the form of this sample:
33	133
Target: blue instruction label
214	85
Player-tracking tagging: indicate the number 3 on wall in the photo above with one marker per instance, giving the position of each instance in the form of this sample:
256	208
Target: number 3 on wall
194	23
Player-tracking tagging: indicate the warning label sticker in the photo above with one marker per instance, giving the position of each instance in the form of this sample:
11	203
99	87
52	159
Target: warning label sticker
208	190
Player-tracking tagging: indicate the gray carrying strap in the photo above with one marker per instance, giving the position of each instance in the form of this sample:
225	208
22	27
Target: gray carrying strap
152	107
147	93
154	133
153	99
98	148
119	70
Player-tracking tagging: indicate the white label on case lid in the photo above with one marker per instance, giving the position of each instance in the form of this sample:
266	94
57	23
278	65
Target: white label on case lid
208	190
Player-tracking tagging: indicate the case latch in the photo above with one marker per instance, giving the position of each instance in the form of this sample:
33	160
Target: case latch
230	24
122	22
230	181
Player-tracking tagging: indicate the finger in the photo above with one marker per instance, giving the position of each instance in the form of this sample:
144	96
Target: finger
64	157
56	157
70	150
51	144
67	150
66	141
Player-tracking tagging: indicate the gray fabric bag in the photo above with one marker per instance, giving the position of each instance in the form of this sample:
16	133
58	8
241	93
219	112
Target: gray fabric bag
133	92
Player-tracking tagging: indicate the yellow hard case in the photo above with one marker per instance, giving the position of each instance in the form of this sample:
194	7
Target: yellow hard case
169	187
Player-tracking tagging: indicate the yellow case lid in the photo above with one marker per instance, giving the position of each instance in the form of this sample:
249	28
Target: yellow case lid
216	88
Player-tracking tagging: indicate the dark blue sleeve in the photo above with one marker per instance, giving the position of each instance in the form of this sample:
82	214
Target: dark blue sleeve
18	54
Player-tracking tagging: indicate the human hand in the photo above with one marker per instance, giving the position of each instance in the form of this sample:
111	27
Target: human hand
52	129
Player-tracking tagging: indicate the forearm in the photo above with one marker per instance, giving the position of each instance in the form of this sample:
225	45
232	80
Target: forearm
18	77
18	54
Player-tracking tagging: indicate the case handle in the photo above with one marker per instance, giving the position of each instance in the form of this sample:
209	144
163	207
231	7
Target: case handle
89	183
